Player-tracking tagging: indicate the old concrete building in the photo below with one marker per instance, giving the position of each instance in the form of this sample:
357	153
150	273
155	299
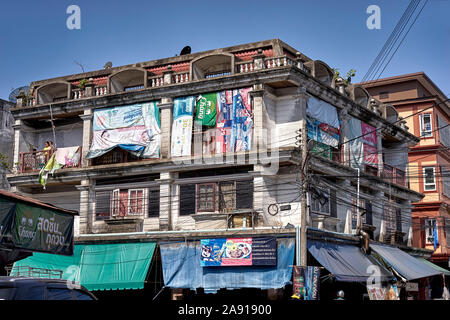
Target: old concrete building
201	180
6	141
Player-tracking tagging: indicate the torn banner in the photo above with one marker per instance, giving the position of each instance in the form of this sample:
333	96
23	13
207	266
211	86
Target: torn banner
322	123
134	128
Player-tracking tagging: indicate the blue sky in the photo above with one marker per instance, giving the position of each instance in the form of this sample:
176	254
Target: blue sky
35	43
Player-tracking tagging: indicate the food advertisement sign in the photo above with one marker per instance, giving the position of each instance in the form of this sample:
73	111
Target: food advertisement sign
238	252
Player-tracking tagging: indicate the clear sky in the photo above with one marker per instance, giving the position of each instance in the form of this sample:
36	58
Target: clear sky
35	43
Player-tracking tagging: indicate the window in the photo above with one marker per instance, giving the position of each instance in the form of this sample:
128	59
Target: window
153	203
136	201
426	125
81	295
59	294
430	224
128	202
320	202
429	180
206	194
384	95
224	196
102	204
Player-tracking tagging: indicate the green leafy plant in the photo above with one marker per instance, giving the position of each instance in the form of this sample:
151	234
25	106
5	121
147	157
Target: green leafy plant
4	164
83	83
350	74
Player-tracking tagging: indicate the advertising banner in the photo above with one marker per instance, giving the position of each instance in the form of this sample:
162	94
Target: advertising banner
134	128
306	283
224	135
45	230
242	120
238	252
206	109
183	110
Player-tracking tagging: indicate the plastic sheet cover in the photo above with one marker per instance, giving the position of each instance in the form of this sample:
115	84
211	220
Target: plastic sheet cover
346	262
99	267
182	269
406	265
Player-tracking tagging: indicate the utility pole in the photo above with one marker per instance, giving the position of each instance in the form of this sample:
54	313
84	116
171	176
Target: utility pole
304	188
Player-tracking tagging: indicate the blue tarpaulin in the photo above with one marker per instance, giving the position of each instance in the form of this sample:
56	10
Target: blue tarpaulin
404	264
347	262
182	269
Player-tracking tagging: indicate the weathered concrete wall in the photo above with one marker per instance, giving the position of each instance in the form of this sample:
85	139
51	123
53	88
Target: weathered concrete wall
6	140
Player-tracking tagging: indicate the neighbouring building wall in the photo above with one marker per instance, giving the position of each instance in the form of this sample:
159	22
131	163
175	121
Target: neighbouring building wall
6	140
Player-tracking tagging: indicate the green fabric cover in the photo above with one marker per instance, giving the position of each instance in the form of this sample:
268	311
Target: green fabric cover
100	267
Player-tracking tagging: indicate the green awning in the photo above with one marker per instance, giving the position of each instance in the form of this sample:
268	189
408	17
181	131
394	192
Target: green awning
435	266
99	267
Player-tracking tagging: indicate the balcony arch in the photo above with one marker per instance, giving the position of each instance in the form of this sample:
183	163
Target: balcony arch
127	79
53	92
321	71
211	65
360	95
390	113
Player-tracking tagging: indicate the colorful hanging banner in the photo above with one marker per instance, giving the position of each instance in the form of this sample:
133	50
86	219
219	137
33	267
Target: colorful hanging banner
134	128
225	140
183	109
206	109
306	283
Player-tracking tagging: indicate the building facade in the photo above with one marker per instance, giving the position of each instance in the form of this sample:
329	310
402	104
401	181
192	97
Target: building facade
6	141
426	111
220	156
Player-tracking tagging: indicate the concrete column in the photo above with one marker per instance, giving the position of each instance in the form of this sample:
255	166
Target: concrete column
257	94
87	135
17	140
258	60
83	223
166	107
168	75
344	118
165	202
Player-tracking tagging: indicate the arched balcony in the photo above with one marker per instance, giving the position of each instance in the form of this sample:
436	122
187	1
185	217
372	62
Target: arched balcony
212	65
127	80
53	92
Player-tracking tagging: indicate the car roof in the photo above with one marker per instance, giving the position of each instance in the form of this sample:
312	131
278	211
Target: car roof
14	281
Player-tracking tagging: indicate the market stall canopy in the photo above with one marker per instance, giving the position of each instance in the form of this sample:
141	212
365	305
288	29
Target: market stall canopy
403	263
181	262
431	264
346	262
34	226
116	266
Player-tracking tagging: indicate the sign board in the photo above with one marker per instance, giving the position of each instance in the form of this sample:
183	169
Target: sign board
238	252
34	228
412	286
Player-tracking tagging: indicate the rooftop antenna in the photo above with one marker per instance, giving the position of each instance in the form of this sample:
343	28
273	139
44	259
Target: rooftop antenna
108	65
79	64
185	50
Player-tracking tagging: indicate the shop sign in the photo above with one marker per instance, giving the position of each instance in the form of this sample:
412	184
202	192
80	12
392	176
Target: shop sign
412	286
238	252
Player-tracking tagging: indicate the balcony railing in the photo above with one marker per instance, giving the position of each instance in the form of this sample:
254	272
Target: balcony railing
36	160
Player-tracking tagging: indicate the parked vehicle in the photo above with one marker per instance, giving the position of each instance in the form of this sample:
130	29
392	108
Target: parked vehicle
31	288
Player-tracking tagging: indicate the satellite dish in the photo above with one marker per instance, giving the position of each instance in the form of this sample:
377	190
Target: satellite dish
185	50
108	65
18	92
